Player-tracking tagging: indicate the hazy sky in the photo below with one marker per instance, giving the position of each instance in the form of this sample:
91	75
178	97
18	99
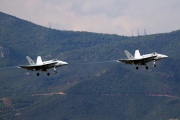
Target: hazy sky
102	16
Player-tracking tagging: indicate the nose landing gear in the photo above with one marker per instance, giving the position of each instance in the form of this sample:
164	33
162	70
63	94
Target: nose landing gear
154	63
55	70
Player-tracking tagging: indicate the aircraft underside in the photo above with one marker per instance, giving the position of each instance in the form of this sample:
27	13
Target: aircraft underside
137	67
139	59
45	70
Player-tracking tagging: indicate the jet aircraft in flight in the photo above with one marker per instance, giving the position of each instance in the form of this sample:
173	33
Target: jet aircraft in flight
43	65
139	59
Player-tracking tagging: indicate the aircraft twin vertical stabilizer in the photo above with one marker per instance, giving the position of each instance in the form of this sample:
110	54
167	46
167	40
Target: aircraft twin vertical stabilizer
139	59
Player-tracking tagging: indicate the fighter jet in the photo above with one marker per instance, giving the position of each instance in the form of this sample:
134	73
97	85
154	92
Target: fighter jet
43	65
142	60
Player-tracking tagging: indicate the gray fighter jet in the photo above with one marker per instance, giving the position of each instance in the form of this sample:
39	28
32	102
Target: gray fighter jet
139	59
43	65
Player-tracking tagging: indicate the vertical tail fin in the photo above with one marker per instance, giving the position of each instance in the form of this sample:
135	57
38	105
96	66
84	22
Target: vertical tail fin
31	62
137	54
39	60
129	56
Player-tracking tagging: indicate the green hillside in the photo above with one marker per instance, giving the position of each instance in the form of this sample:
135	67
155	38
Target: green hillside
107	91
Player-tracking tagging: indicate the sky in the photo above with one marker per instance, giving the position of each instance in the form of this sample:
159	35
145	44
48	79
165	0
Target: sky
122	17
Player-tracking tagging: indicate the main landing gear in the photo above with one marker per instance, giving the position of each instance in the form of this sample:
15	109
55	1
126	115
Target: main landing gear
138	67
47	74
37	74
154	65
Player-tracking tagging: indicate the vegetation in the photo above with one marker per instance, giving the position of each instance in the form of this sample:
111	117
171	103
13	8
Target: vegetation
89	91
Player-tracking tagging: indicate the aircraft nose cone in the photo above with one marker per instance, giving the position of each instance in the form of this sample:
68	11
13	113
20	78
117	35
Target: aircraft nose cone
65	63
165	56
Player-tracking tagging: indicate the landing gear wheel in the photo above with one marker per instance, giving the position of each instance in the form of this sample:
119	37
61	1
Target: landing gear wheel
146	67
37	74
154	65
137	68
48	74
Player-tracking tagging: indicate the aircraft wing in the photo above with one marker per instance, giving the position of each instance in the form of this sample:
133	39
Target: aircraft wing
138	61
127	61
28	67
147	59
38	67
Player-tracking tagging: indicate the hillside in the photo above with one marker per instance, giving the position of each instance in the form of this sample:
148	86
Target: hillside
96	91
